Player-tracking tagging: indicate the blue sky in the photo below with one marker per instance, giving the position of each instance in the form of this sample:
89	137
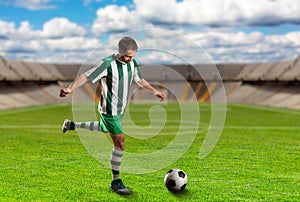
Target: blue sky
229	31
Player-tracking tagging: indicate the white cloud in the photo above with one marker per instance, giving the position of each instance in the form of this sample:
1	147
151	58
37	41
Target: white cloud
54	28
71	44
223	47
156	45
58	37
164	11
61	40
220	13
293	38
6	28
115	19
62	27
10	31
49	50
243	47
34	4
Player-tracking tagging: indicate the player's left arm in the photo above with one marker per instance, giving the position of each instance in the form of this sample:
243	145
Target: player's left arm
146	85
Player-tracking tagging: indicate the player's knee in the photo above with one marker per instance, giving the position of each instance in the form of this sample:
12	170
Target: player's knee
121	145
118	142
121	142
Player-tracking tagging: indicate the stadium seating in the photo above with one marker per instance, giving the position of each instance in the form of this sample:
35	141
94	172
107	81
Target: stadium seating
277	84
165	72
266	91
293	72
276	71
245	71
7	73
53	71
21	69
40	71
260	70
229	72
241	94
69	71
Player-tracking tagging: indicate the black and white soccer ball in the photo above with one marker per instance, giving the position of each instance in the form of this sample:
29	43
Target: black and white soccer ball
175	180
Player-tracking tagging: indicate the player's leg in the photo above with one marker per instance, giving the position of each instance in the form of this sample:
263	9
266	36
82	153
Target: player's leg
115	160
117	154
90	125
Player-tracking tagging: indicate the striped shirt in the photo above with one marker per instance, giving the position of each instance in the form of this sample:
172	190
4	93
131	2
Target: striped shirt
116	78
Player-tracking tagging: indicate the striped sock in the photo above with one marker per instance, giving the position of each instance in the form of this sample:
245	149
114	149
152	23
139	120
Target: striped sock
115	160
93	125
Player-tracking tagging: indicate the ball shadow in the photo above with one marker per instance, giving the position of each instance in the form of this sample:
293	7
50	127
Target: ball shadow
182	194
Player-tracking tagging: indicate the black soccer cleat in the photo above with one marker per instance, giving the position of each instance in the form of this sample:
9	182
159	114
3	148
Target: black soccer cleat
118	187
68	125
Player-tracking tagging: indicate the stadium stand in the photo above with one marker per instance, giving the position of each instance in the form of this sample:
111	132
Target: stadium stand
54	72
291	98
69	71
14	98
218	91
164	72
266	91
277	84
22	70
35	91
40	71
210	87
230	71
242	93
231	86
293	72
277	70
245	71
259	71
207	72
7	73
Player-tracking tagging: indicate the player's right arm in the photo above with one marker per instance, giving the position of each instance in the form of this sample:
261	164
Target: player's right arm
79	81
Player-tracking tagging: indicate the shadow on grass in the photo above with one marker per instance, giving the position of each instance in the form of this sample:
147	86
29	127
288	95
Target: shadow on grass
185	194
182	194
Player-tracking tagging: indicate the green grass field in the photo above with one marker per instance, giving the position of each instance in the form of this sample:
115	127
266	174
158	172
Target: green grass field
257	158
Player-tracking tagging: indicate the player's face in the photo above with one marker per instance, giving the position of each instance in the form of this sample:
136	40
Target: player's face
128	56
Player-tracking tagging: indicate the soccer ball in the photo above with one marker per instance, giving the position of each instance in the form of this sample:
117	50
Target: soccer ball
175	180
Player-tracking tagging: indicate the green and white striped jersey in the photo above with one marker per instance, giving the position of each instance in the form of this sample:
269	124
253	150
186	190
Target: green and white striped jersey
116	78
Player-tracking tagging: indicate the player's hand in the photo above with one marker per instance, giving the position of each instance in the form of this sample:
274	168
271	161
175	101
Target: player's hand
161	96
64	92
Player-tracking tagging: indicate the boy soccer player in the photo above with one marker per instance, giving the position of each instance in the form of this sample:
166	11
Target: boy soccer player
115	73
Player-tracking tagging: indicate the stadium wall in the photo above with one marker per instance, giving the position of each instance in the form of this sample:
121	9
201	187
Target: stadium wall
277	84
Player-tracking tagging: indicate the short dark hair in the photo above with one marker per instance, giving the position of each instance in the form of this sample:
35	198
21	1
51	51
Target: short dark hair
127	43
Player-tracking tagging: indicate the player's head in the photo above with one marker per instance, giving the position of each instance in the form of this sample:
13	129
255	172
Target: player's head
127	49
